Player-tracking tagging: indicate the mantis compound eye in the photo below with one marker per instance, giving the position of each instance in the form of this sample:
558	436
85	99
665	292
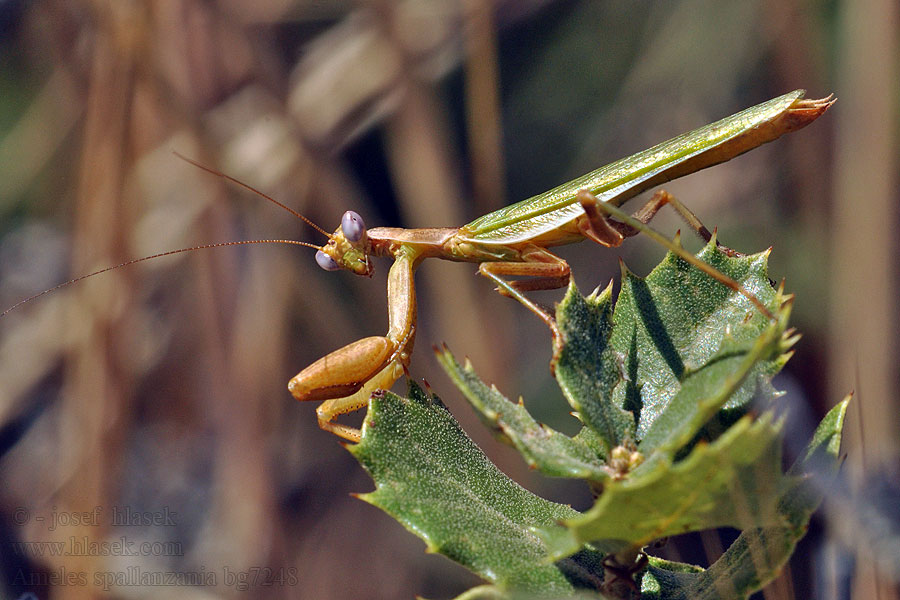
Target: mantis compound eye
352	226
326	262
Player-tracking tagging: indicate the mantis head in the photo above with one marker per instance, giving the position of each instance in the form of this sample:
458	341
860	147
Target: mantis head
347	248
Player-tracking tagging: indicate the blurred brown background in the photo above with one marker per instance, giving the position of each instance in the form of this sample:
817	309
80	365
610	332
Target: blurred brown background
161	388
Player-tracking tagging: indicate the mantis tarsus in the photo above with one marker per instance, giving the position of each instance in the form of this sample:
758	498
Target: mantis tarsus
514	241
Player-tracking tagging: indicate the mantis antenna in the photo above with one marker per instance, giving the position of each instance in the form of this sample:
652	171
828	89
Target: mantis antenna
192	248
227	177
152	256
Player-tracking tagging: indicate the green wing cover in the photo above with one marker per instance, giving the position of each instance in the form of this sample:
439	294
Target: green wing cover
621	179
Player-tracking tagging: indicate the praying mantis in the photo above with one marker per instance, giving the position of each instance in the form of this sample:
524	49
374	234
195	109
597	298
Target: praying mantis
514	242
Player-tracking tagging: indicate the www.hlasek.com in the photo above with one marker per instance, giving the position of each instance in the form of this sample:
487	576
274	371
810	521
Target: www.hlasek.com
85	546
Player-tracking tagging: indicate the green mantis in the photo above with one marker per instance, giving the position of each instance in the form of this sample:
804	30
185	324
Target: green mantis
514	242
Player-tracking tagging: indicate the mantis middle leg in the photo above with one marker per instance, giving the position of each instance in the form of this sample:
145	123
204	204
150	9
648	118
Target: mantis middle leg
547	272
345	379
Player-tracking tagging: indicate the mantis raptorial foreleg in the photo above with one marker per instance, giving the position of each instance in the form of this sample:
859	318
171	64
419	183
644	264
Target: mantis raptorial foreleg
373	363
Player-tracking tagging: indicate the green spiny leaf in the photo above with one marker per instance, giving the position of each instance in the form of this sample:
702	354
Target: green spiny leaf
433	479
704	391
679	351
588	369
672	323
756	557
543	448
733	481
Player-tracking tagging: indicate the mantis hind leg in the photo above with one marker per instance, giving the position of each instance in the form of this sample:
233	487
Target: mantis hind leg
609	217
597	220
604	230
